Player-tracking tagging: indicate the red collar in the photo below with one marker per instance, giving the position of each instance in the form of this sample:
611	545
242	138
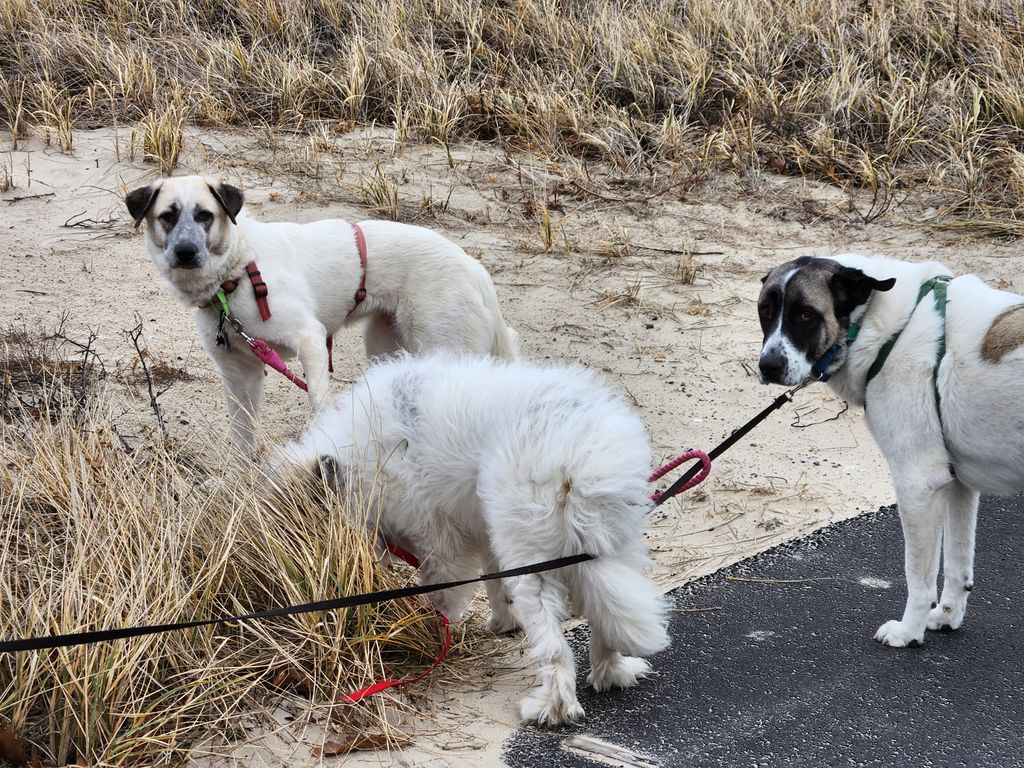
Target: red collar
404	554
361	247
258	287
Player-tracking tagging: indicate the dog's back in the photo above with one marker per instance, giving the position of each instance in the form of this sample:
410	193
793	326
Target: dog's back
448	422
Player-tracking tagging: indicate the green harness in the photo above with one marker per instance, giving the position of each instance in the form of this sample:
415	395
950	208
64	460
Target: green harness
937	287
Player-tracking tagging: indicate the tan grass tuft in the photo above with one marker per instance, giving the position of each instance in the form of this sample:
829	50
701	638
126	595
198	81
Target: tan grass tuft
163	134
97	534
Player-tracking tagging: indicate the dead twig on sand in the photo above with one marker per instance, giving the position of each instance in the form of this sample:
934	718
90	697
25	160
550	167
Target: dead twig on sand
90	223
13	200
134	335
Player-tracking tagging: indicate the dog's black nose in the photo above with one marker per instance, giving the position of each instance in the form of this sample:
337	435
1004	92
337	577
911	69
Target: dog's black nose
186	255
772	364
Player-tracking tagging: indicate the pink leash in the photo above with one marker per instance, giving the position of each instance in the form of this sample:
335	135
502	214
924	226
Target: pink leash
264	352
699	478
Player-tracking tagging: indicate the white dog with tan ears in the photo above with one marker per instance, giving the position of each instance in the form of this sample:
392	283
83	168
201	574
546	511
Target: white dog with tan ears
473	463
938	363
416	290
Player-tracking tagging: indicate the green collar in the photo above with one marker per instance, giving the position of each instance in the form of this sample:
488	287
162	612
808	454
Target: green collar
220	303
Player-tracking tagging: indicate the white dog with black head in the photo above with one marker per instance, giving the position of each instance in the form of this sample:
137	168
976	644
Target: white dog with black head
938	363
473	463
416	290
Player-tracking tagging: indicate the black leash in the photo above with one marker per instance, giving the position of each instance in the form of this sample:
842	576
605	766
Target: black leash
729	442
98	636
102	635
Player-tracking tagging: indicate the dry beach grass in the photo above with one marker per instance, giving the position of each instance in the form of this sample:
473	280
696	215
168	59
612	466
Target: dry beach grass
888	96
105	522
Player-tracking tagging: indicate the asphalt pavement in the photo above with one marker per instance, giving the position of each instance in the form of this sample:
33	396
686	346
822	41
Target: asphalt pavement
773	664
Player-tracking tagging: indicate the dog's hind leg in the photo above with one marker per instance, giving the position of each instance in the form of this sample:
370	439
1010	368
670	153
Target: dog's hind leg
541	603
957	556
627	618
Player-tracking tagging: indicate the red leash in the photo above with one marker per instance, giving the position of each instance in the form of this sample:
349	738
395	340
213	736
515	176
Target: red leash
362	693
658	496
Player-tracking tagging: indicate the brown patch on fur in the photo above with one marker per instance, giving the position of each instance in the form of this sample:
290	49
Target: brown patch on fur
1004	335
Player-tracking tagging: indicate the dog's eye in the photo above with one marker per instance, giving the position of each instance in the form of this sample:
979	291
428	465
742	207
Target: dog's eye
806	315
203	217
168	217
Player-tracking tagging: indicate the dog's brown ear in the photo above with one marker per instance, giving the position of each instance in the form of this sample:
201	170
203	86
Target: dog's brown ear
851	288
231	199
140	200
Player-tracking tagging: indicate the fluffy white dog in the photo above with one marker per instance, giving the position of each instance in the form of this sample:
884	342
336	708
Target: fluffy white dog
487	464
417	290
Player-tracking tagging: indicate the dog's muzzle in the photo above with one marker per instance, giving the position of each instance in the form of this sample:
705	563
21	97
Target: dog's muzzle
772	365
186	257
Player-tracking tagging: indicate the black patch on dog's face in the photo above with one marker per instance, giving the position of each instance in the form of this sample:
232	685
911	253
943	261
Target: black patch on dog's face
804	310
327	473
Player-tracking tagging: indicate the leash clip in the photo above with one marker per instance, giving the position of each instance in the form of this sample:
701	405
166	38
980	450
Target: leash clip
222	336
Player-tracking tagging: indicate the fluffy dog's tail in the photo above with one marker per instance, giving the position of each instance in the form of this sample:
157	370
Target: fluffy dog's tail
506	341
505	344
624	607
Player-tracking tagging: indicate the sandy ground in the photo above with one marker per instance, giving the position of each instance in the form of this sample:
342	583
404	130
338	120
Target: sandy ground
657	291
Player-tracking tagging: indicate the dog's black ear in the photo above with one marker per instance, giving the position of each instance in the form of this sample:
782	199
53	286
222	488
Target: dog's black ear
140	200
327	473
231	199
765	278
851	288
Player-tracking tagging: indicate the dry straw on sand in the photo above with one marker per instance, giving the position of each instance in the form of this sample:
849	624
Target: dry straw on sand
885	95
102	526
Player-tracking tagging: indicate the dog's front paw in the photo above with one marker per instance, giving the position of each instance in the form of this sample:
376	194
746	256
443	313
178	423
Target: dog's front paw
899	635
543	708
945	617
618	672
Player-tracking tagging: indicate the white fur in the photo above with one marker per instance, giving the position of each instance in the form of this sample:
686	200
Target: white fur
423	293
483	464
982	430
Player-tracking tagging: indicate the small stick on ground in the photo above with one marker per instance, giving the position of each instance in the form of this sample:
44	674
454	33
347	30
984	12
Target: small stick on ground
135	336
777	581
13	200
